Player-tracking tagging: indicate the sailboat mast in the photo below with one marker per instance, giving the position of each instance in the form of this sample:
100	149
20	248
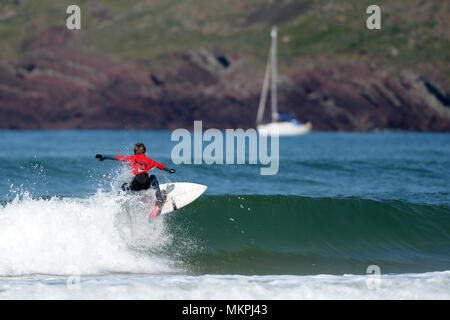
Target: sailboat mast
262	101
274	74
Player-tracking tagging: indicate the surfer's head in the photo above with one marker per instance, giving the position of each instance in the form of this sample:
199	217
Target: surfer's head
139	148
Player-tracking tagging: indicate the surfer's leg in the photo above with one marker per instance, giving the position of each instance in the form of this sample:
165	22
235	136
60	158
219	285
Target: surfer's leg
159	196
155	185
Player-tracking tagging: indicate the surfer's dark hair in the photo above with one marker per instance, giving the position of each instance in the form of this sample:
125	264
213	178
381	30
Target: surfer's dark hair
139	148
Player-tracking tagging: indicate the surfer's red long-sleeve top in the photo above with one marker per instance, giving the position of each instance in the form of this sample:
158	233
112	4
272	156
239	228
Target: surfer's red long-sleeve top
140	163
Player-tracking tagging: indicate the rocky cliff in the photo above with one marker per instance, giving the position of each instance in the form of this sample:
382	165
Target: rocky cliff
56	81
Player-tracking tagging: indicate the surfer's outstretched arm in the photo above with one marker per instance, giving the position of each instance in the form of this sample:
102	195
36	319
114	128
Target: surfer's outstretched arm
150	164
102	157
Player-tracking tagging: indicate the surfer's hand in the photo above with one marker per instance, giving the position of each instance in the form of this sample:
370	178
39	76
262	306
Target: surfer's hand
100	157
169	170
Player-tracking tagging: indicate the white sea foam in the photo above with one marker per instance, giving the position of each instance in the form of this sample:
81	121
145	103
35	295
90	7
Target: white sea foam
78	236
433	285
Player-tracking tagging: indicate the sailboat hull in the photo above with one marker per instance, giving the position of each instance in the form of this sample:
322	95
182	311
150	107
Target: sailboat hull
283	129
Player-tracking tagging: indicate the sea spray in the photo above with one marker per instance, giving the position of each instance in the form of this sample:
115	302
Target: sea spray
59	235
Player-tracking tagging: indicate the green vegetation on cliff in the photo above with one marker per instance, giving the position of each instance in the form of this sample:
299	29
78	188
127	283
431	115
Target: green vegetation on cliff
413	32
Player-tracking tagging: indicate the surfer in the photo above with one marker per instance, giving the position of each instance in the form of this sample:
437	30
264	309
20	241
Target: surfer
141	164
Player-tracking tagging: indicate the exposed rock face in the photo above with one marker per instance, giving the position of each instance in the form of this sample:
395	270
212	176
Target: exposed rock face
60	88
356	97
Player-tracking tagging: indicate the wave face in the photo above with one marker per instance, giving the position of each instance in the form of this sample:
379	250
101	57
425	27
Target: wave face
300	235
256	235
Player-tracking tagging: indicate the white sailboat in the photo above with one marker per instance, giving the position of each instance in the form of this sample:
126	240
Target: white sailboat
281	124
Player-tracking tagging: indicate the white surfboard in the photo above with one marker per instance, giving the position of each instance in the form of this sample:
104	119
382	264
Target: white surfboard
180	194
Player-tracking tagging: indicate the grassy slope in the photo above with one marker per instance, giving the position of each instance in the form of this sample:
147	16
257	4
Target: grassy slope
144	29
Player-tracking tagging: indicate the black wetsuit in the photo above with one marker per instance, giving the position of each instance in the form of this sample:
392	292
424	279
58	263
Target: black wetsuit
143	181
